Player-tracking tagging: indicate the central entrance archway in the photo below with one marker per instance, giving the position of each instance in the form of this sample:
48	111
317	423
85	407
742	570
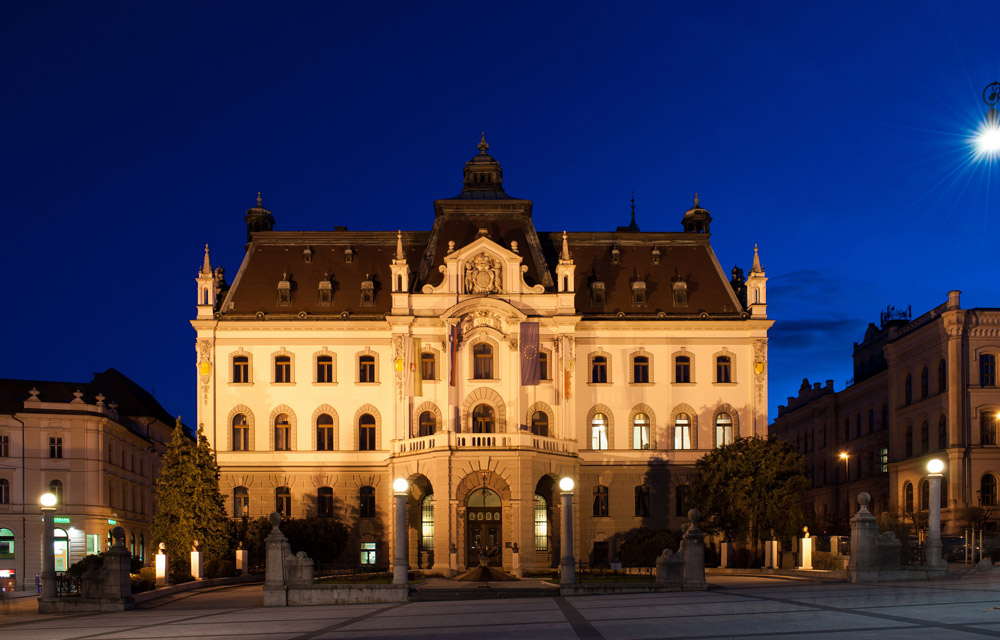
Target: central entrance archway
483	527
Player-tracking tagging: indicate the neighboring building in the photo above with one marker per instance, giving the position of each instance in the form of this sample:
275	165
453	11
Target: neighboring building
482	361
96	445
922	388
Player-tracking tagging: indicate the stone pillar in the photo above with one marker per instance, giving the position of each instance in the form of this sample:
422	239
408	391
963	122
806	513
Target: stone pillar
275	574
725	554
567	564
515	561
162	567
197	568
116	566
48	553
693	544
401	561
242	560
933	557
863	565
805	550
452	560
772	557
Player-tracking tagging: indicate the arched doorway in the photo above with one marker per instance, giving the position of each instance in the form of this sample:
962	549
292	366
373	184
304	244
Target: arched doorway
483	527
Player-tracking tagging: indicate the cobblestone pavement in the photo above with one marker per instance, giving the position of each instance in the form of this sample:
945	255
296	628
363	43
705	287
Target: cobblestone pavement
734	607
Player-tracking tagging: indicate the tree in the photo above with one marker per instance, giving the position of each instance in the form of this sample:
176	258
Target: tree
190	506
747	488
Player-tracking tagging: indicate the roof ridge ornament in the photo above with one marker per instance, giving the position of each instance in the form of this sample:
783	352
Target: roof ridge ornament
564	256
259	201
483	146
399	245
756	261
696	205
206	266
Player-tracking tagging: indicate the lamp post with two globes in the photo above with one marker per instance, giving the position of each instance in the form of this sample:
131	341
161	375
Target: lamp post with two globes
48	501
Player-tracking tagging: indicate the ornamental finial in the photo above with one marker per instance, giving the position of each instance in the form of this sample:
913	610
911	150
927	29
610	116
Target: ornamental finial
696	199
258	199
483	145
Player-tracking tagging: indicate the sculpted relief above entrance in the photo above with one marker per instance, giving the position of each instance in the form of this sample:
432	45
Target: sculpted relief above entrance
483	275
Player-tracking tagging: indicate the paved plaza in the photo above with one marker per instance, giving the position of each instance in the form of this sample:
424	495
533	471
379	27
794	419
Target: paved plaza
733	607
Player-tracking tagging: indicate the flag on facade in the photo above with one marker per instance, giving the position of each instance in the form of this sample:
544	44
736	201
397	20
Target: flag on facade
529	354
407	367
418	372
452	353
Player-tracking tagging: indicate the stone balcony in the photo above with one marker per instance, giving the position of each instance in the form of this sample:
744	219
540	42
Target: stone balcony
450	440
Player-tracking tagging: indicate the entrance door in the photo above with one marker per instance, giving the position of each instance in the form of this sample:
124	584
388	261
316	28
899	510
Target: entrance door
484	530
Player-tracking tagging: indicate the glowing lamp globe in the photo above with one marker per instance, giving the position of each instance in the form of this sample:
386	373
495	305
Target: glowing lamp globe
48	500
935	466
400	485
566	484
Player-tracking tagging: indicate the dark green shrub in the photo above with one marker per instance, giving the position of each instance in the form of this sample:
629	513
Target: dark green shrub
641	547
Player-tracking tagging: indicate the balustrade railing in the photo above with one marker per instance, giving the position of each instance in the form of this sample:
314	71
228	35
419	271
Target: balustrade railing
518	440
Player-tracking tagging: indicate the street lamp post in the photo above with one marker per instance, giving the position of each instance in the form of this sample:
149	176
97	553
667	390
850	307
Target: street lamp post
988	139
567	564
846	457
48	501
933	557
401	563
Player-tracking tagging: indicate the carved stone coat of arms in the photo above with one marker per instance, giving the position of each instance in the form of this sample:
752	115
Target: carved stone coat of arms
482	275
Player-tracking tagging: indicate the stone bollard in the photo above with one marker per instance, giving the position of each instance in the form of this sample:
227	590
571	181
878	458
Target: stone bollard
805	550
197	568
242	560
772	555
162	567
725	554
117	561
693	546
275	573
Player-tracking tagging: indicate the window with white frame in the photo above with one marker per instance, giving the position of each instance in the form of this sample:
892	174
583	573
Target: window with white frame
723	429
640	431
682	431
599	432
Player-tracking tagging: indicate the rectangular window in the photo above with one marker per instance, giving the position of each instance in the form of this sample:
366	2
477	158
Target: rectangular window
482	362
366	369
599	370
241	369
599	436
682	435
427	371
4	446
93	544
640	434
241	438
600	502
366	436
324	438
987	370
642	501
324	369
427	524
368	555
723	369
884	460
55	448
543	365
640	370
283	369
682	369
541	524
282	438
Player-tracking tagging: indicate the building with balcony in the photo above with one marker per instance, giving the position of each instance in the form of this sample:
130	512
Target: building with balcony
481	360
923	388
95	445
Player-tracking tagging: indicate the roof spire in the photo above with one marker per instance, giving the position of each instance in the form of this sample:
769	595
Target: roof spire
696	199
483	145
633	208
258	199
756	261
564	256
206	266
399	245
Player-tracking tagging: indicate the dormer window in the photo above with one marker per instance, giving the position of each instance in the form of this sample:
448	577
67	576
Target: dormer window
655	256
638	293
348	255
597	293
307	255
616	255
325	291
285	291
680	291
367	292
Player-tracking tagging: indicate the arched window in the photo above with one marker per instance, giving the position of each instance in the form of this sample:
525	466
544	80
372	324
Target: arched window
541	524
283	501
723	369
540	424
640	369
426	424
682	431
599	432
723	429
925	490
988	490
640	431
908	498
241	502
241	369
427	523
908	389
925	383
925	437
599	370
132	545
4	491
942	433
6	544
142	548
282	369
482	361
682	369
909	442
942	376
600	501
366	369
366	502
56	489
282	433
366	432
681	497
324	433
987	370
988	427
642	501
483	420
241	433
324	369
324	502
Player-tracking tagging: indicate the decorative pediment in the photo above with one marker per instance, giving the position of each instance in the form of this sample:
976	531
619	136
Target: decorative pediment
483	268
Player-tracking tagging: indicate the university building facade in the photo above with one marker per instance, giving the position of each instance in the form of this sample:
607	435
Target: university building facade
481	360
923	388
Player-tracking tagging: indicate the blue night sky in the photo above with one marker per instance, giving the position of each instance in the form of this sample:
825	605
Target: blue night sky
834	135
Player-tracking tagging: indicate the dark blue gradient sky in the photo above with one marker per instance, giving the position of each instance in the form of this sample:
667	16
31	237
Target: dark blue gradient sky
834	135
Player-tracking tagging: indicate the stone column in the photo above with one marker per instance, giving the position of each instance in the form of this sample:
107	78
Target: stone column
694	554
805	550
725	553
401	561
116	566
863	565
162	567
197	567
242	560
567	564
48	553
933	557
277	553
771	555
